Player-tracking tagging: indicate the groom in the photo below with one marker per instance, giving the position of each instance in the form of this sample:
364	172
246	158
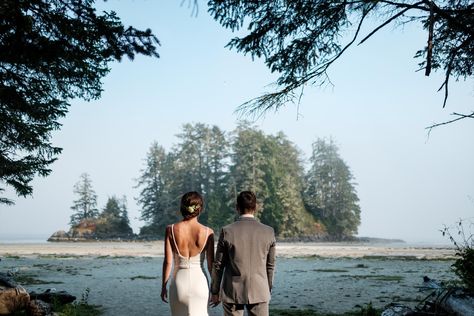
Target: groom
244	263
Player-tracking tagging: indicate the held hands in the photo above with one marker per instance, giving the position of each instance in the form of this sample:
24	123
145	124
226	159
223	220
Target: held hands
214	300
164	294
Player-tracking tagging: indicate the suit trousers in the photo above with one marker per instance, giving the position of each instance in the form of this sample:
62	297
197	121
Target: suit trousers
258	309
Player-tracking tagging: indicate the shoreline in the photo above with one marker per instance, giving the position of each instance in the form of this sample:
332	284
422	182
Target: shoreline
283	249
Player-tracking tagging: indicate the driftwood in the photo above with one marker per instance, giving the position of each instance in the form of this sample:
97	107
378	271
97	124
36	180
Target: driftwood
459	303
13	299
442	301
455	301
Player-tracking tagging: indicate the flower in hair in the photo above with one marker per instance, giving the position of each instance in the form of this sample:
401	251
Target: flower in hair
193	208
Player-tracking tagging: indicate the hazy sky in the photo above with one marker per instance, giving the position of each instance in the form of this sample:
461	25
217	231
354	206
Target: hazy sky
409	185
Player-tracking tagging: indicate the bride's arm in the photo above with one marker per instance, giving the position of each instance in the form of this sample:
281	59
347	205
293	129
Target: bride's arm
210	251
167	262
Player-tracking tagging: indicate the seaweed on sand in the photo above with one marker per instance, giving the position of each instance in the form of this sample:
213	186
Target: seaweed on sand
144	277
366	310
24	279
377	277
331	270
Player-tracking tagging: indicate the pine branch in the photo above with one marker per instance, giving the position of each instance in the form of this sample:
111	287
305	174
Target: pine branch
459	116
454	52
260	105
388	22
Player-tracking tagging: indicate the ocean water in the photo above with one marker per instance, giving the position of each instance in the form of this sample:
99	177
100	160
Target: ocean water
24	238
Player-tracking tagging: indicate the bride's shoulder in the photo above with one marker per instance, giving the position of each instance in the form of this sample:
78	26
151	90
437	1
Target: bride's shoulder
169	228
209	230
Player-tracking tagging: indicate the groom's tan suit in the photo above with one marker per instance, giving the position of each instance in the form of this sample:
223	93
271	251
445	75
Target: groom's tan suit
244	264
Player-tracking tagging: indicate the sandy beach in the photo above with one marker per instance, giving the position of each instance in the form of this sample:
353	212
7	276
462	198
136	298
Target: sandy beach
124	278
285	250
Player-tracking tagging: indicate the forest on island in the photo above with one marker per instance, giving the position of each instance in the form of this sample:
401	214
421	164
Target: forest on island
320	200
315	199
87	221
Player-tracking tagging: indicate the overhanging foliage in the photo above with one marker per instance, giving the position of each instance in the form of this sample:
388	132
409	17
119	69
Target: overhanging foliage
301	39
52	51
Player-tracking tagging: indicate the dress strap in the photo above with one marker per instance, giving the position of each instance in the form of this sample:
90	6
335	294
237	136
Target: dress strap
174	239
205	242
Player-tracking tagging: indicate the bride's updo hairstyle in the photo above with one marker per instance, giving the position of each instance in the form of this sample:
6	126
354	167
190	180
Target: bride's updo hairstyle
191	205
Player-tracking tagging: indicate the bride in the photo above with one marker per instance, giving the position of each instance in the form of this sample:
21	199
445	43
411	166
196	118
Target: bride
187	244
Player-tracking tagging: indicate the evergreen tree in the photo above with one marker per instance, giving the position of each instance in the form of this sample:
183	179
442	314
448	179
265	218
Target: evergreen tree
218	212
330	192
85	207
248	162
106	225
284	207
124	222
190	163
112	208
155	198
113	220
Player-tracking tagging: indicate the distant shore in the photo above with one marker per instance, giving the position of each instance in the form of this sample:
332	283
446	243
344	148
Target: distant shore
284	249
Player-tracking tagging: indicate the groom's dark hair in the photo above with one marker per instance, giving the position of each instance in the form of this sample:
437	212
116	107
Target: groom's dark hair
246	202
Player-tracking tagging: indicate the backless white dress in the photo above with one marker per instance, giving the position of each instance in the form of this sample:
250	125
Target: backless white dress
189	289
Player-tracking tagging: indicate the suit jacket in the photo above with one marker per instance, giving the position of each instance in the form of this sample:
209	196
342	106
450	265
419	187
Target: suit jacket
244	262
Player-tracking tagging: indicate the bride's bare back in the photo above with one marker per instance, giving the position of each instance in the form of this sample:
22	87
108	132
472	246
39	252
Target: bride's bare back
190	237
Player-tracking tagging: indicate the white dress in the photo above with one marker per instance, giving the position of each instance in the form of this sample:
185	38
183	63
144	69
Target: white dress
189	289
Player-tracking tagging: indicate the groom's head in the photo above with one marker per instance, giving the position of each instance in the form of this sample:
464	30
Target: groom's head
246	202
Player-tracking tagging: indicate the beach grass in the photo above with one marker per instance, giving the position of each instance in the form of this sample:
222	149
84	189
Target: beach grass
72	309
79	309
